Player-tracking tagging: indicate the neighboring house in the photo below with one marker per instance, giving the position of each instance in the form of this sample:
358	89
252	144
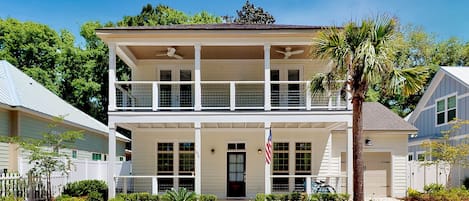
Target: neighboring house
446	98
204	99
26	110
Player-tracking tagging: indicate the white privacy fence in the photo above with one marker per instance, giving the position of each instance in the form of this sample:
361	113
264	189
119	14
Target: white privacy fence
82	170
420	175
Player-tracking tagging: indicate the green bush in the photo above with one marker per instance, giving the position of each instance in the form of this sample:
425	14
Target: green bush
295	196
85	187
179	195
207	197
137	197
260	197
412	193
433	188
11	198
69	198
94	196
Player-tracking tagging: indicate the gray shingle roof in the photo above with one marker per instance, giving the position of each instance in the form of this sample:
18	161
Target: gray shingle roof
376	117
19	90
216	27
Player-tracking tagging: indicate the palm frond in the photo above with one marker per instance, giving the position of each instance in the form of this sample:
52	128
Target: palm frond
408	80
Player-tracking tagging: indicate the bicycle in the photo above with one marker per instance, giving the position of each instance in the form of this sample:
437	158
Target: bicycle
320	186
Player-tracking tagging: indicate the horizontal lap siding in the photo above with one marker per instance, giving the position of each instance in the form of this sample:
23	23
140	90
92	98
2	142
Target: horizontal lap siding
91	142
3	156
4	123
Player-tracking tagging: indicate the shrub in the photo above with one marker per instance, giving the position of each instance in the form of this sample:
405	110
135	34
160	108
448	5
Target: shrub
69	198
179	195
412	193
85	187
11	198
433	188
260	197
94	196
207	197
137	197
295	196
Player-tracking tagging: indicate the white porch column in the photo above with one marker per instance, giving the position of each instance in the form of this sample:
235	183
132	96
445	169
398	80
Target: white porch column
348	94
349	160
112	77
267	172
198	163
267	77
197	85
111	160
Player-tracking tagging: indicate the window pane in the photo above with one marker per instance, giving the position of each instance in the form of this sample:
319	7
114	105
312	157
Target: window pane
165	146
283	146
280	162
451	102
420	157
186	162
240	146
303	146
165	162
303	162
165	75
274	75
440	105
185	75
293	75
189	146
410	157
231	146
440	118
451	114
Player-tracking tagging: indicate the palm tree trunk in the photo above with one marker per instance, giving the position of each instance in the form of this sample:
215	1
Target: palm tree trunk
357	130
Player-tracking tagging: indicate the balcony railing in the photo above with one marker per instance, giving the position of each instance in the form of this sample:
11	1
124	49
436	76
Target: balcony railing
223	95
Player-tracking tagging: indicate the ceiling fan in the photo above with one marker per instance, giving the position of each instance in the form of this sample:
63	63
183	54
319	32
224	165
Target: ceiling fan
171	53
288	52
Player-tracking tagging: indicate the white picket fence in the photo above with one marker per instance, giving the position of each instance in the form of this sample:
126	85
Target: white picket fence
419	175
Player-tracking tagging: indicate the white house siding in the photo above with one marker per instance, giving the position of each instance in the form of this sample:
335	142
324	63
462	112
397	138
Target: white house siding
214	170
394	143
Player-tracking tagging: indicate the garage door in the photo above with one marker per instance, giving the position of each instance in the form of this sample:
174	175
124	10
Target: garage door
377	175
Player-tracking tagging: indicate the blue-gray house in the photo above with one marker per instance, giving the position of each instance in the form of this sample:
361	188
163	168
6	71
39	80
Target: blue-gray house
446	98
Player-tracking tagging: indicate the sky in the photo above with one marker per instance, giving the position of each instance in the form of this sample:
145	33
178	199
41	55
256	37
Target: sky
444	18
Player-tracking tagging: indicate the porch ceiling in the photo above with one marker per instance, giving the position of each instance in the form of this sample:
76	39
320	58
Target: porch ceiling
217	52
231	125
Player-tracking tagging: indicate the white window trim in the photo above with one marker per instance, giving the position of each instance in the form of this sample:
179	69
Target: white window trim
417	156
411	154
445	98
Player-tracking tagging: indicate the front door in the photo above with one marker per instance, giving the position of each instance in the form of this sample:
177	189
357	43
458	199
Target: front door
175	95
236	174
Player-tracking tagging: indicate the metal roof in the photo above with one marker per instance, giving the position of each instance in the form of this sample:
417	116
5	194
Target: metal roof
19	90
459	73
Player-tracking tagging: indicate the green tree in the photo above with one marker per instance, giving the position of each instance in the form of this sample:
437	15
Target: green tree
363	56
45	154
447	150
31	47
250	14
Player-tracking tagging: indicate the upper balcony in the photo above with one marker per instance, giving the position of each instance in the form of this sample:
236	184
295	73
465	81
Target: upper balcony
216	67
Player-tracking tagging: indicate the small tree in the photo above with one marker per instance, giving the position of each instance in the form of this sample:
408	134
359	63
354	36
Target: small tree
448	151
45	154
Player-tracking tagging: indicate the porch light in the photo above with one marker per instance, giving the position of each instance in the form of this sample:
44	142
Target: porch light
259	151
212	150
368	142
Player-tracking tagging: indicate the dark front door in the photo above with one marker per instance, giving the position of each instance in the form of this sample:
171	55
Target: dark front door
236	174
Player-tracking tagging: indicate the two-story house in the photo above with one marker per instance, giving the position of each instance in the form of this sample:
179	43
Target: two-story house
204	100
446	98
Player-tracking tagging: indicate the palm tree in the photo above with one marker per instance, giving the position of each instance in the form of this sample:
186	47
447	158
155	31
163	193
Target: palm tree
362	55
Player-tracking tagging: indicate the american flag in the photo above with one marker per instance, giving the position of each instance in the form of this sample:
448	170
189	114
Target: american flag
268	149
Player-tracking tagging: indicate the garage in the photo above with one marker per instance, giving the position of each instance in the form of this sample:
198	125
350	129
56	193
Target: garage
377	175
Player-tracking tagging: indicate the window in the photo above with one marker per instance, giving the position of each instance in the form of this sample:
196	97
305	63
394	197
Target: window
96	156
410	156
445	110
165	159
74	153
302	163
186	158
236	146
280	166
121	158
421	156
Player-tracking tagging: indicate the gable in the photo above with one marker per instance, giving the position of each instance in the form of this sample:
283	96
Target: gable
447	86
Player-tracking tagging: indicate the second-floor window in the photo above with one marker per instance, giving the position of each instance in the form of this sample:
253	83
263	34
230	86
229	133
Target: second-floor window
445	110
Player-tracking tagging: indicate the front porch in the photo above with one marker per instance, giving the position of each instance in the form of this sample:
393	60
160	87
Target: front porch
225	154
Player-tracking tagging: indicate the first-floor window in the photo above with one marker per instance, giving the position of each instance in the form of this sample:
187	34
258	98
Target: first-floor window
96	156
165	165
74	153
302	163
280	166
410	157
186	164
421	156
